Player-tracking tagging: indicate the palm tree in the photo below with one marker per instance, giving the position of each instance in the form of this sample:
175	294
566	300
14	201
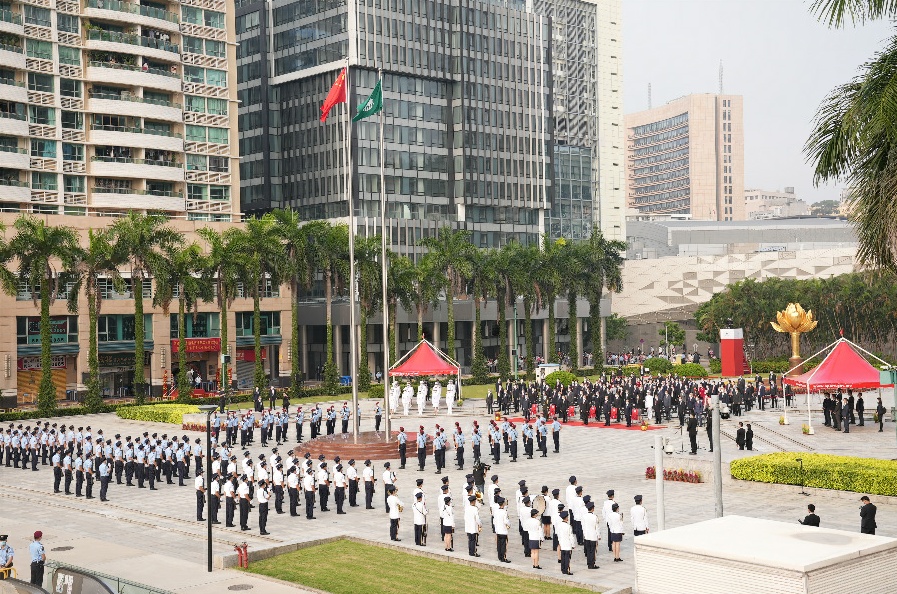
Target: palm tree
451	253
400	282
44	254
222	270
479	284
503	290
98	259
143	239
854	139
576	274
523	268
263	261
550	278
367	269
604	263
180	277
427	283
328	247
298	269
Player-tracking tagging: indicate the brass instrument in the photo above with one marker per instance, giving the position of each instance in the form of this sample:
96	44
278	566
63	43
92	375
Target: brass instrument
401	508
479	498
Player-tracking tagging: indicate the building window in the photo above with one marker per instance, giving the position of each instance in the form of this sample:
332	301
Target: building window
62	328
200	325
270	323
121	327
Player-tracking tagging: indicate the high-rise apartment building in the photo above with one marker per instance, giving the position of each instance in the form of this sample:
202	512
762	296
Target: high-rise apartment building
500	117
107	106
687	158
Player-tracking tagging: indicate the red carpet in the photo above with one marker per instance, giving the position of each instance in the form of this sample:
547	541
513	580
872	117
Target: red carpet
599	424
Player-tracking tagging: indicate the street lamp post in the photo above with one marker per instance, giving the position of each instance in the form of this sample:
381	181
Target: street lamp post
208	409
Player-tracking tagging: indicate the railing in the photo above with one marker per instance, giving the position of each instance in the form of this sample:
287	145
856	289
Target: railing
133	68
157	162
11	82
167	193
10	17
148	11
11	48
12	149
115	584
10	115
135	130
13	182
133	39
134	98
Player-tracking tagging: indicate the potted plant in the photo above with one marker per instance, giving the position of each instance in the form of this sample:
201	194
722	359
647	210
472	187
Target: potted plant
782	420
805	429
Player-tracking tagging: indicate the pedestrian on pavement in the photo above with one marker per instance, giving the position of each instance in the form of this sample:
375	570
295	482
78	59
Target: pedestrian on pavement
38	556
880	411
811	518
867	516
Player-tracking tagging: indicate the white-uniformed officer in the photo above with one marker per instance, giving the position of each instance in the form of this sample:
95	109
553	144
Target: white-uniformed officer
105	472
244	497
230	503
308	487
264	496
369	480
200	485
57	472
394	505
389	480
339	485
352	478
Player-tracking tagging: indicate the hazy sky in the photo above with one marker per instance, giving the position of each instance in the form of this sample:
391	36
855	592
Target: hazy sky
774	52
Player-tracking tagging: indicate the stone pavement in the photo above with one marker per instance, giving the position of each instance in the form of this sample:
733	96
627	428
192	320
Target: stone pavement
152	537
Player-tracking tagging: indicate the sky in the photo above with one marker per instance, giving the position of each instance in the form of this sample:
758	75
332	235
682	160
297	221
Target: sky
774	52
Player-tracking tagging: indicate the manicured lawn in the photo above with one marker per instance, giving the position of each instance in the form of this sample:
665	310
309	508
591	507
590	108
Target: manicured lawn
346	567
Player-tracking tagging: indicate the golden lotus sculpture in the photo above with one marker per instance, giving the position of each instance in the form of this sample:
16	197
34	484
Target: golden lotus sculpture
795	321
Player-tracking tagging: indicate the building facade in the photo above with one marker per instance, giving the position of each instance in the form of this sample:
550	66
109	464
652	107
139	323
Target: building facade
686	158
20	345
474	137
108	106
772	204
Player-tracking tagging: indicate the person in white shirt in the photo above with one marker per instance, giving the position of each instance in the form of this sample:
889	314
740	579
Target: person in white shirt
420	519
339	488
638	516
352	479
577	508
323	480
615	525
472	525
570	493
533	527
421	397
263	495
293	490
591	534
566	542
308	487
546	514
605	513
389	480
394	505
502	523
447	516
368	476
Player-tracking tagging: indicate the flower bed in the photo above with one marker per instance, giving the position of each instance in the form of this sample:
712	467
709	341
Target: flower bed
822	471
678	475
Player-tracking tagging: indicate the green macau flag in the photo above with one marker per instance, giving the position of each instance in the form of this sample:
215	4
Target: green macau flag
373	104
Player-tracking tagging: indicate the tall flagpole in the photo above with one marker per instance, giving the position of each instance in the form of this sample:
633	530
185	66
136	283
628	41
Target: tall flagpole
353	346
384	264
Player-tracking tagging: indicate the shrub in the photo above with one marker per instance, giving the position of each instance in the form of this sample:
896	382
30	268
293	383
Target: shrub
658	365
159	413
565	377
822	471
376	391
716	366
689	370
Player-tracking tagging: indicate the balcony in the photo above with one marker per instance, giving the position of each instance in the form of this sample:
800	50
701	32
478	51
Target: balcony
136	138
126	74
13	124
140	168
12	56
13	90
112	41
125	198
13	158
14	191
147	16
133	106
11	22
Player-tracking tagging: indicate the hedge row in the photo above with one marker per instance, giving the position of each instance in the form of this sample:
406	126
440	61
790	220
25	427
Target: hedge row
822	471
158	413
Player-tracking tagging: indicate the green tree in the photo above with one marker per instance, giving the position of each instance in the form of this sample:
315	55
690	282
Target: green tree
400	282
298	269
479	285
854	139
576	272
672	334
427	283
180	277
617	328
97	260
503	290
451	253
550	275
604	272
143	239
329	252
263	262
222	271
44	254
523	262
370	294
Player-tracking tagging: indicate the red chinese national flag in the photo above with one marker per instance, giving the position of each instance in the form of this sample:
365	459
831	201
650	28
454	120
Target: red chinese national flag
336	95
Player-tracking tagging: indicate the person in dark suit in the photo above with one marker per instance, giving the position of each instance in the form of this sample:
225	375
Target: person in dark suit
845	415
836	413
761	396
739	436
710	428
749	437
827	410
880	411
811	519
693	433
867	516
860	407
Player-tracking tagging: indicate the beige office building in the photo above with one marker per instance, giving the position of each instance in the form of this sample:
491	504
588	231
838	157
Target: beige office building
108	106
686	159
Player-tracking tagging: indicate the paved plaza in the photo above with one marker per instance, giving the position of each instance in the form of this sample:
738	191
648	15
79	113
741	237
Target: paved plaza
153	537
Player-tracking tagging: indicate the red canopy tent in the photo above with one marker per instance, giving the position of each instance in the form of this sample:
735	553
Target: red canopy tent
426	359
843	367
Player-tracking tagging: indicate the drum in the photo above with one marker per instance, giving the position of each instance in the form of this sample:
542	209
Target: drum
635	414
539	504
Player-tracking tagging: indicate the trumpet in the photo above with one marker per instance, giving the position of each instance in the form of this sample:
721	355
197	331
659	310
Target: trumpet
401	508
479	497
